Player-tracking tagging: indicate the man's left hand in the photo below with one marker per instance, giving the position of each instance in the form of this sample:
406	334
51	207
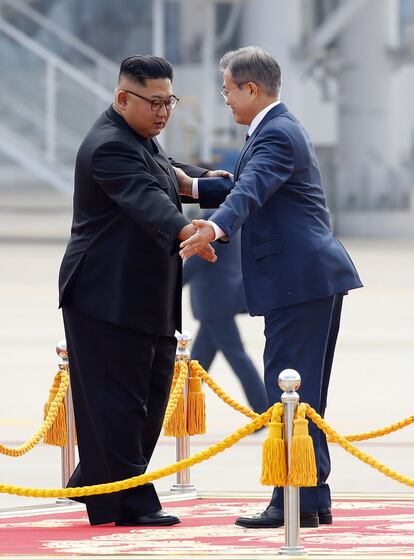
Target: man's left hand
198	242
217	173
185	182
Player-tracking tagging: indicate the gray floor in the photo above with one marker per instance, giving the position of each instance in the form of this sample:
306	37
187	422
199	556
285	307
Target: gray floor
372	382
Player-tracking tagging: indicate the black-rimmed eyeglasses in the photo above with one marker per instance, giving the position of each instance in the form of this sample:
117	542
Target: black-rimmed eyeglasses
157	104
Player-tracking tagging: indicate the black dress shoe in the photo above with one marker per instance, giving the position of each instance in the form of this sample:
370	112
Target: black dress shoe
273	517
325	516
157	518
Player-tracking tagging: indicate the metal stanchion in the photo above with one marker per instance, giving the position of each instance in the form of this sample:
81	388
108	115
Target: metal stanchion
289	382
183	484
68	451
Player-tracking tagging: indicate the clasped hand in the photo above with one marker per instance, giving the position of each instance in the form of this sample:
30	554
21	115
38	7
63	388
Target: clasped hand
200	241
205	250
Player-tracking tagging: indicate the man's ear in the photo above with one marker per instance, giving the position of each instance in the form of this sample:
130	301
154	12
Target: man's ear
121	98
253	90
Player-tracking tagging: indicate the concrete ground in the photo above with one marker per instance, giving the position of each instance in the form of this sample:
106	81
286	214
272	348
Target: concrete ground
372	380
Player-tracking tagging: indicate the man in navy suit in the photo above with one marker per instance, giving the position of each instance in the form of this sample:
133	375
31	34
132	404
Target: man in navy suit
217	295
295	271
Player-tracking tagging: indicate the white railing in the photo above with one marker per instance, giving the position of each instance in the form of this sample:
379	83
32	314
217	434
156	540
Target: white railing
54	114
105	69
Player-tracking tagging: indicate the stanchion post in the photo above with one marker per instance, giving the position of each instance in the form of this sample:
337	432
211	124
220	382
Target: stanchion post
68	451
183	484
289	382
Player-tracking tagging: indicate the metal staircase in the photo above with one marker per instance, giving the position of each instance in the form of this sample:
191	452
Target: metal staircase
47	102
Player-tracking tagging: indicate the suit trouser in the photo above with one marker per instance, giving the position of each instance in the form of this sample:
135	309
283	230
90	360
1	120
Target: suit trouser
223	335
120	382
303	337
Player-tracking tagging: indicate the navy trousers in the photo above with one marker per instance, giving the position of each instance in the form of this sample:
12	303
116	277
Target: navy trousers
223	335
303	337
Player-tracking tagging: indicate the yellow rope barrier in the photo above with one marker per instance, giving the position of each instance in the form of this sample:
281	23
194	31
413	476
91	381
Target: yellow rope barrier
181	370
382	431
109	487
47	423
197	369
364	457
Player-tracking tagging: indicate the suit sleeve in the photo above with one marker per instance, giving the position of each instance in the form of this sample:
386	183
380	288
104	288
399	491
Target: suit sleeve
124	176
192	171
271	163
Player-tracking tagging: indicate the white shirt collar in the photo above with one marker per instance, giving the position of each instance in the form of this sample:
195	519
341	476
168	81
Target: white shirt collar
260	116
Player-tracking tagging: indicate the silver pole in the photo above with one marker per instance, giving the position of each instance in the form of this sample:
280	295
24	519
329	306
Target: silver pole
289	382
183	485
209	81
68	451
50	125
158	27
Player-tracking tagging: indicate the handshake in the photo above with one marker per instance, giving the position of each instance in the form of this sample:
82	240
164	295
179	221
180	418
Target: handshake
196	237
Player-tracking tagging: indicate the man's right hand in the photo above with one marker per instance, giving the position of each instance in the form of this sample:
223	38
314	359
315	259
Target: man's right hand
207	252
185	182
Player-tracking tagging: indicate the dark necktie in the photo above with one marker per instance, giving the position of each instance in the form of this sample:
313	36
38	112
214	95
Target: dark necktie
247	137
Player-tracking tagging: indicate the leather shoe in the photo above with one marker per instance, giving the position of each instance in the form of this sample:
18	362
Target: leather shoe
325	516
157	518
274	517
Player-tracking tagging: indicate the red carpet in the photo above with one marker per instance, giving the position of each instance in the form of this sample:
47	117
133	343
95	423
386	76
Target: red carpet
376	528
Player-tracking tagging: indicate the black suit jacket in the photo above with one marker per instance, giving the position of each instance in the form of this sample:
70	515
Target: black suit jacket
122	264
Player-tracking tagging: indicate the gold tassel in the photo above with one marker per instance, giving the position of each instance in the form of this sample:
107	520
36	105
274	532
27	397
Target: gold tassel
274	471
196	407
177	423
57	433
176	426
302	471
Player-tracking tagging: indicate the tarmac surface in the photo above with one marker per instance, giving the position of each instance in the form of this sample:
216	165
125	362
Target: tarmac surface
372	380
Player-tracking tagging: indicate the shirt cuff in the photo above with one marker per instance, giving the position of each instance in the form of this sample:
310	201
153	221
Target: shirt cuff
195	188
217	230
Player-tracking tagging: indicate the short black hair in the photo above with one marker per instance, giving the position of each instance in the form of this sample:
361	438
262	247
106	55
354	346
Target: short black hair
141	67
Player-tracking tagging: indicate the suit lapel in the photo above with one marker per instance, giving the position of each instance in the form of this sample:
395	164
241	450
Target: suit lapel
153	147
162	160
279	109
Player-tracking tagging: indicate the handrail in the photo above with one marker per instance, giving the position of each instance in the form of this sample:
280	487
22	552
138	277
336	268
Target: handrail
88	52
55	60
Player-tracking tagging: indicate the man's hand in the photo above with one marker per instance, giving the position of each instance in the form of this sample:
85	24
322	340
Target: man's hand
206	251
185	182
199	241
217	173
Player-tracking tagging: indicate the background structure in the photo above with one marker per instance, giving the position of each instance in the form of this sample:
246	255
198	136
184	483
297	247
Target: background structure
347	74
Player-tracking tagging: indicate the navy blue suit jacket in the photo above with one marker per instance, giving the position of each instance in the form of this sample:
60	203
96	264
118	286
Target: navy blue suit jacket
216	290
288	251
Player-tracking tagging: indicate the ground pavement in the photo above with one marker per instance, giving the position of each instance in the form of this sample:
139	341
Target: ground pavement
371	381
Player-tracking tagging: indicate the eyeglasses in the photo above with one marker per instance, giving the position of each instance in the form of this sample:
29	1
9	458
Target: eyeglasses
157	104
225	94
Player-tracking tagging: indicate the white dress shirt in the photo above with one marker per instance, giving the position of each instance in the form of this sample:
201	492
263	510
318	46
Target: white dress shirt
253	125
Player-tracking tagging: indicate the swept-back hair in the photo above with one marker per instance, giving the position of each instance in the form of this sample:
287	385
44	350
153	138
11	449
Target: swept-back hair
142	67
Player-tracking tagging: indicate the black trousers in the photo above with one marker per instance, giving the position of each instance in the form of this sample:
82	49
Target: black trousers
303	337
120	382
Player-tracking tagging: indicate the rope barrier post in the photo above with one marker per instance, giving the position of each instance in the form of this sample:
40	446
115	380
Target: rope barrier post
183	484
289	382
68	451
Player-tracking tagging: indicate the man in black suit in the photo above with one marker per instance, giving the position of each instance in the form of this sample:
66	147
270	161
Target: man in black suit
120	291
217	296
